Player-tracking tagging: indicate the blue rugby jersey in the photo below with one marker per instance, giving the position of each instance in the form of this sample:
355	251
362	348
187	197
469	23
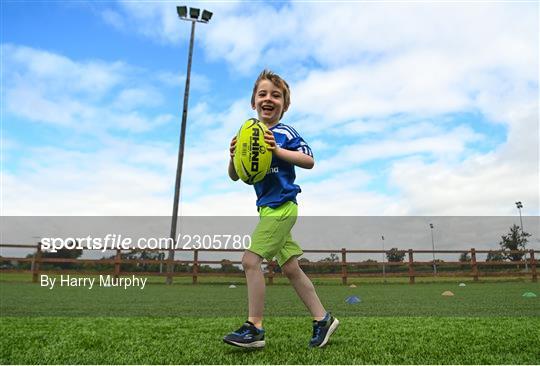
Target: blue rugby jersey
278	186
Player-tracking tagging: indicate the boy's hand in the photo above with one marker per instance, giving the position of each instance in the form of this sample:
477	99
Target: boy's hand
297	158
232	147
271	141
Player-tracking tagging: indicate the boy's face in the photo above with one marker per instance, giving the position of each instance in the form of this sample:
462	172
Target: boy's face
269	102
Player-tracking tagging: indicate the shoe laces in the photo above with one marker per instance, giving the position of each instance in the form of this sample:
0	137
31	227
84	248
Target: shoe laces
243	330
316	330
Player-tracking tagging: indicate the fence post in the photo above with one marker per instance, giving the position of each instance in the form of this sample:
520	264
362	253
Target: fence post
411	267
270	272
533	266
195	265
117	259
35	263
170	266
344	266
474	265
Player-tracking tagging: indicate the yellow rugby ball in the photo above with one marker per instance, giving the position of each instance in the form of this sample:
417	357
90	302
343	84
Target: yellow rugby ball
252	159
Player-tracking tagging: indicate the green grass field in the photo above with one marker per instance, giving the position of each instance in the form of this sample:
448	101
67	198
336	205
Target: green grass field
484	323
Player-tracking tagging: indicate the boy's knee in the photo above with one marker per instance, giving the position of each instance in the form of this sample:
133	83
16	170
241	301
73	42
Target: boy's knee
291	270
251	261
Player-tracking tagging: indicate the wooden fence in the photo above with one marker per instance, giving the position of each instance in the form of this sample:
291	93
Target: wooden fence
346	266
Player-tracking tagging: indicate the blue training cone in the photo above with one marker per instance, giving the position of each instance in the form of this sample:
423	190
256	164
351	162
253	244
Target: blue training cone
353	300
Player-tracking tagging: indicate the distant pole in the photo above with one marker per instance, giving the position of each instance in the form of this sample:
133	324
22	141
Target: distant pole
519	206
383	260
433	248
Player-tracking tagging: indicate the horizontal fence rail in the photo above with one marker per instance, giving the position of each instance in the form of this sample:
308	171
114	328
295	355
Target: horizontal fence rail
339	267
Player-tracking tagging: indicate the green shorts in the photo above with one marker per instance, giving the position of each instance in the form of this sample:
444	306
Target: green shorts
272	236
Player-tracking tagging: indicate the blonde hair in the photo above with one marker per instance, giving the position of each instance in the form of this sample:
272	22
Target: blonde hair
277	81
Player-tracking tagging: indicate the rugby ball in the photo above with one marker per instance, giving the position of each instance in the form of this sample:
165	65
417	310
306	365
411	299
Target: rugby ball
252	158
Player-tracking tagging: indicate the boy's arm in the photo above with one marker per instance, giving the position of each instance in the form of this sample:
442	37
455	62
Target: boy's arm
297	158
232	171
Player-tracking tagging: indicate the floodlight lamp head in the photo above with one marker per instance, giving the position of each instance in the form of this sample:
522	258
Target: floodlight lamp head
431	226
206	16
182	11
194	13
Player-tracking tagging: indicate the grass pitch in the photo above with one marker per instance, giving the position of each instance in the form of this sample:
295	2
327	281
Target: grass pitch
484	323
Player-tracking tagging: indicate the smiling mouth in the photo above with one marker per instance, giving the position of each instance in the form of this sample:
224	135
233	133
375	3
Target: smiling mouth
267	108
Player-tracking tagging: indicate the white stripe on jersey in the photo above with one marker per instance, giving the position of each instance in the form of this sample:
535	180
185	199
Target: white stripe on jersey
290	129
291	133
283	132
306	150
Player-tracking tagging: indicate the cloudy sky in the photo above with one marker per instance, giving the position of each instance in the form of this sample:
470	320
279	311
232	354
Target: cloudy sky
411	108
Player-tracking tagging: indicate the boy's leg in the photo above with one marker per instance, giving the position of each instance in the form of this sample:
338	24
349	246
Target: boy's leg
324	324
267	239
304	288
251	334
255	285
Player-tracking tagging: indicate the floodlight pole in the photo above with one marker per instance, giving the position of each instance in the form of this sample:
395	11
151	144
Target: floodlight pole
170	259
433	248
383	261
519	206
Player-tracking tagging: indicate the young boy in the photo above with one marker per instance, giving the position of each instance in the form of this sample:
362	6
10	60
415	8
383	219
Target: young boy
276	202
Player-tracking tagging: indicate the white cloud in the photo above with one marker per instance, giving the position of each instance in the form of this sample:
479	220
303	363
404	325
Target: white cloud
319	145
482	184
31	104
442	145
198	82
95	172
41	68
134	122
113	18
138	97
50	88
59	181
372	59
159	20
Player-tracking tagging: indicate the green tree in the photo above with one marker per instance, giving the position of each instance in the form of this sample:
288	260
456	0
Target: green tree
516	239
330	264
332	258
137	254
228	267
205	268
63	253
304	264
394	255
465	257
494	257
5	264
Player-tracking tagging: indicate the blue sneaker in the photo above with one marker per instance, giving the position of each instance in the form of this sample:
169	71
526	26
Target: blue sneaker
322	330
247	336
